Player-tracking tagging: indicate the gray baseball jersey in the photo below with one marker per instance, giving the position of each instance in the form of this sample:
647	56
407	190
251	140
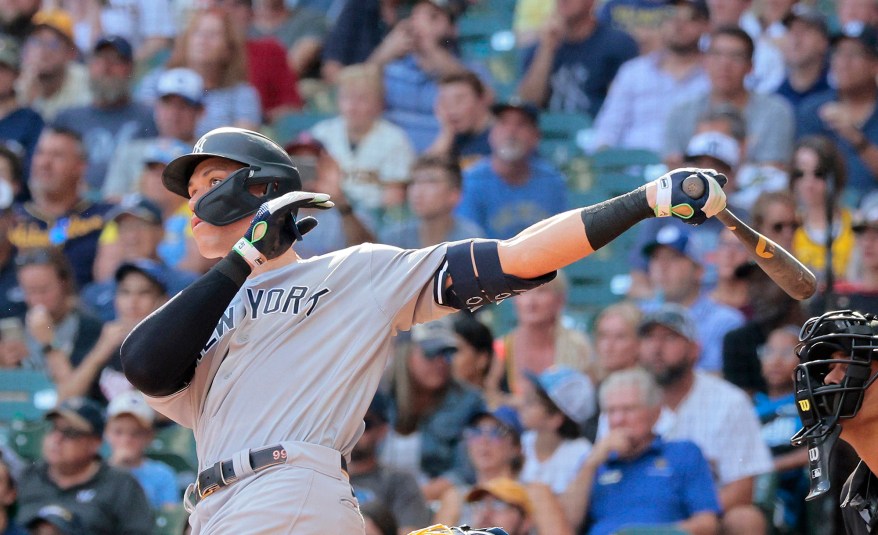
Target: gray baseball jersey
301	349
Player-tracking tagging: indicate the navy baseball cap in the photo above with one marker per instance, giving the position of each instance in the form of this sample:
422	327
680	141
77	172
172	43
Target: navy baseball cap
118	43
81	413
435	338
809	15
673	316
528	108
138	206
59	517
150	269
677	238
865	35
699	7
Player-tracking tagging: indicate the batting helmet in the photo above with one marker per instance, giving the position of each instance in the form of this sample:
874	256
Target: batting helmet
264	161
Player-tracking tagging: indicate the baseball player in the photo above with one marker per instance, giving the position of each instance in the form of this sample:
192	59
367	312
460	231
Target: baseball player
272	359
838	354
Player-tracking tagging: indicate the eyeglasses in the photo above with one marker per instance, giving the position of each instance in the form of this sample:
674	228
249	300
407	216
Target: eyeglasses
799	173
780	226
491	432
70	433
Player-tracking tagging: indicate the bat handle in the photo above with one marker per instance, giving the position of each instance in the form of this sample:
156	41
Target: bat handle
693	187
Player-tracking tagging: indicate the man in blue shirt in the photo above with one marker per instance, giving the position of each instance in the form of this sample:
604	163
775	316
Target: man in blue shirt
513	188
633	477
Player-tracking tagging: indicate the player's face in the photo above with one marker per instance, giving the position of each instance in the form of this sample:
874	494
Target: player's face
128	438
779	360
666	354
490	446
213	241
136	298
616	342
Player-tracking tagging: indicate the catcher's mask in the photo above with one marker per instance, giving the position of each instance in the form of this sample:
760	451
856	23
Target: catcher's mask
266	165
840	338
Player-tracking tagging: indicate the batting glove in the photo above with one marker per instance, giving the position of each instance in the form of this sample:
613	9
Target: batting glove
672	200
274	227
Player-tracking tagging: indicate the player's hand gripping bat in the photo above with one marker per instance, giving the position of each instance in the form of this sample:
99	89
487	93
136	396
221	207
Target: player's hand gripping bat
783	268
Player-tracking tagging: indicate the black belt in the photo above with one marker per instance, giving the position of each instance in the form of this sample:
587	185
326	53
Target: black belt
222	473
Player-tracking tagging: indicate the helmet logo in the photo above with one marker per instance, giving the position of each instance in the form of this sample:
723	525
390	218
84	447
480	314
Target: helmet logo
199	147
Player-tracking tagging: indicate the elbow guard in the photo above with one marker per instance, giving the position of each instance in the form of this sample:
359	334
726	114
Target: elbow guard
477	278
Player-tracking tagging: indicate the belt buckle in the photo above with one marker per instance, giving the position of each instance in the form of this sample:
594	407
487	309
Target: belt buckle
213	487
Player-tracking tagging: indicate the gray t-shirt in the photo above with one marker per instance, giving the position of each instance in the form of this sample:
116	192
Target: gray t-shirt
301	349
770	122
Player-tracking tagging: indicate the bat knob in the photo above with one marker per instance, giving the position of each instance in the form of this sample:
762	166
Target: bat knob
693	186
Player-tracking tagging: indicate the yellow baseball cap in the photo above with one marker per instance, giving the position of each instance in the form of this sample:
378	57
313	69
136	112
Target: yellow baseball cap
54	19
504	489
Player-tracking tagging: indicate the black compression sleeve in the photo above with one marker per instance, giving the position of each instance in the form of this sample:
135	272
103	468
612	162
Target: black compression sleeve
605	221
159	355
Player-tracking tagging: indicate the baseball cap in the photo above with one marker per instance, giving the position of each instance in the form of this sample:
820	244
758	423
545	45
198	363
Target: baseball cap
150	269
528	108
81	413
673	316
715	145
570	390
60	517
118	43
867	215
504	415
435	338
453	8
133	403
56	20
10	54
165	150
504	489
305	141
184	83
677	238
138	206
699	7
864	34
809	15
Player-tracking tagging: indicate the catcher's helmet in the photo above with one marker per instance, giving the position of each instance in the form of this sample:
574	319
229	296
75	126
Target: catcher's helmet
265	162
821	405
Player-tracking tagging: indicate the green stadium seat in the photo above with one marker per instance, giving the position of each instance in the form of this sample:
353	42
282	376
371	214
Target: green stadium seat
170	521
26	438
289	125
25	395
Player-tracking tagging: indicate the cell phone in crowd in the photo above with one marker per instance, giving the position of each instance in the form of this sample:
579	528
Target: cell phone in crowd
11	329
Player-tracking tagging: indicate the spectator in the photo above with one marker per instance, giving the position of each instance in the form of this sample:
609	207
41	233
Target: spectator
805	49
520	509
764	22
339	228
675	271
55	520
577	57
16	18
267	67
777	412
378	520
20	126
475	352
729	256
395	490
514	187
360	28
774	215
72	469
859	290
847	114
428	404
433	193
554	406
633	476
373	153
8	495
539	340
853	12
58	333
529	17
640	19
769	118
211	46
149	25
301	30
817	179
141	287
112	118
134	231
51	79
634	115
615	338
176	112
417	53
463	108
11	303
129	432
710	412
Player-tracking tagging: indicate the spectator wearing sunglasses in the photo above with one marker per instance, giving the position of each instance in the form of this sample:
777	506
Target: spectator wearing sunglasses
817	178
429	410
383	487
72	474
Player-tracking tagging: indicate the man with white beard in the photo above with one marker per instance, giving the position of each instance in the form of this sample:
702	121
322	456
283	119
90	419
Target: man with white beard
514	187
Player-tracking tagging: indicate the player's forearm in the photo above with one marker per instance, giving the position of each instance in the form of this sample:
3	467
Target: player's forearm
565	238
159	355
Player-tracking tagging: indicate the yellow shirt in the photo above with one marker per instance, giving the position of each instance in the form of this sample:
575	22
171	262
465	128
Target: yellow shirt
813	254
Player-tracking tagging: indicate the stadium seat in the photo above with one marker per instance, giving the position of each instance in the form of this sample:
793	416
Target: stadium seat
26	438
288	126
170	521
25	395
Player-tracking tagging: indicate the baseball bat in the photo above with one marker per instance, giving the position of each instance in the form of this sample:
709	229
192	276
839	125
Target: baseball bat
783	268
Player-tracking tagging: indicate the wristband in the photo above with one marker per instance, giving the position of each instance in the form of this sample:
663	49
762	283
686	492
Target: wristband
249	253
605	221
663	197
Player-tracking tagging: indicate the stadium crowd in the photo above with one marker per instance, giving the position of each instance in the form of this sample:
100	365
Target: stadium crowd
668	403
